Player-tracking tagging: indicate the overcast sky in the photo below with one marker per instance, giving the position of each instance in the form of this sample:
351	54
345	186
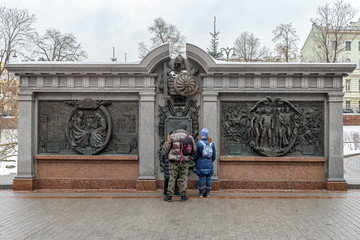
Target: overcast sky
101	24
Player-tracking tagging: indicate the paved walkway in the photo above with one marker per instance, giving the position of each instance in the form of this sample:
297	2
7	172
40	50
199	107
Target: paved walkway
226	215
352	170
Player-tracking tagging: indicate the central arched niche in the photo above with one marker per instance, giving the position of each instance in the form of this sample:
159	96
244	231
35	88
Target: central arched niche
178	90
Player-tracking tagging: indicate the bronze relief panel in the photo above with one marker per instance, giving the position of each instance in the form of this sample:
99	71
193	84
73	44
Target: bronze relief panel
272	127
88	127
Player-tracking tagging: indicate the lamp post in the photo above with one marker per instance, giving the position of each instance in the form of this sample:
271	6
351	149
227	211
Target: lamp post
227	51
3	54
14	56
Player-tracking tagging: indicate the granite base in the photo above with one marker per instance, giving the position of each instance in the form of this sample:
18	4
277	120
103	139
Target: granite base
146	185
337	186
76	184
24	184
309	185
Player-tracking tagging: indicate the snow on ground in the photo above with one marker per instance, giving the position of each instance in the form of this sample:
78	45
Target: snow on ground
351	139
7	135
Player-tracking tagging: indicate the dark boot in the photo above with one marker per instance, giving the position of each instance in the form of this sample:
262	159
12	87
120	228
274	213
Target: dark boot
207	192
184	198
166	184
201	192
168	198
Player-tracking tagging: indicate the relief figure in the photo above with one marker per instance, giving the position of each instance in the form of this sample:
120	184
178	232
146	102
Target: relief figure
98	135
267	125
78	132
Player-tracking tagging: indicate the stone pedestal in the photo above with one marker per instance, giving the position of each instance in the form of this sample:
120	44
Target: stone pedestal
146	185
272	172
24	184
336	186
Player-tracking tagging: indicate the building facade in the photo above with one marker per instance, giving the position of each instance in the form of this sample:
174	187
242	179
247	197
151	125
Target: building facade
351	54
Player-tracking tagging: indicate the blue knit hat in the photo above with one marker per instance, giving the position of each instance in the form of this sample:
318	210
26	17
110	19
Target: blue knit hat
204	132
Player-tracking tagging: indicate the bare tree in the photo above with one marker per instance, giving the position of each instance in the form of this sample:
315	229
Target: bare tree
15	32
287	39
163	33
143	49
9	86
248	48
56	46
331	27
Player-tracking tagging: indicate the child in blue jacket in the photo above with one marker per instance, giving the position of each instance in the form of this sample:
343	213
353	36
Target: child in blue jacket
204	157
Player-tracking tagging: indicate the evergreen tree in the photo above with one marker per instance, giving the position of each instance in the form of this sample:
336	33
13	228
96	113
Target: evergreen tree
214	43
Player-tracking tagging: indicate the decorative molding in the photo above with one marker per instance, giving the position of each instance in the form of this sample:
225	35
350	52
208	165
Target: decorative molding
70	82
86	82
40	82
337	82
55	82
320	82
305	81
226	82
273	82
101	82
288	82
257	81
241	80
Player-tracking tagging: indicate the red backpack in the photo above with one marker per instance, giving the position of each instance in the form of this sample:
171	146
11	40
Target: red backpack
186	147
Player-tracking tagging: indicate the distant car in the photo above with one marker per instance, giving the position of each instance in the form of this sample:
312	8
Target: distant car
348	110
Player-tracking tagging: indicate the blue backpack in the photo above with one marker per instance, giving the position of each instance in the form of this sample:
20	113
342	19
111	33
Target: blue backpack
207	151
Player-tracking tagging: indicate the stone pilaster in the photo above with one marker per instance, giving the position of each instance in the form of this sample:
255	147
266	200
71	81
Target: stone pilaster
146	179
210	121
334	171
26	171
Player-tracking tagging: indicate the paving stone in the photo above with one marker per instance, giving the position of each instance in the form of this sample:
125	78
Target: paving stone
226	215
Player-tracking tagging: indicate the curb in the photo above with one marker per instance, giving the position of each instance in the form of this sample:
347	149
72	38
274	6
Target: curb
353	185
6	186
351	155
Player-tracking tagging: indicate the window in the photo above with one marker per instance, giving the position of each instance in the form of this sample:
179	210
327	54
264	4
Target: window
348	60
359	107
359	45
333	44
348	104
359	87
347	85
348	46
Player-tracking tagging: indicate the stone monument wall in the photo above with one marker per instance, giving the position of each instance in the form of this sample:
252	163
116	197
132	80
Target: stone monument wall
102	126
